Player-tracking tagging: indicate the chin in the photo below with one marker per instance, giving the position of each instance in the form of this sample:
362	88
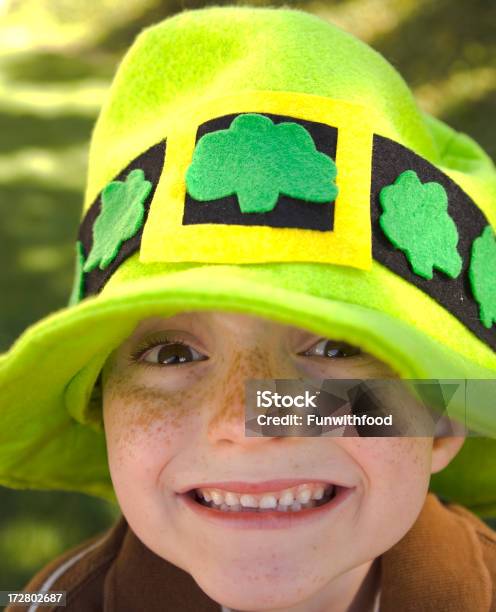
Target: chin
256	591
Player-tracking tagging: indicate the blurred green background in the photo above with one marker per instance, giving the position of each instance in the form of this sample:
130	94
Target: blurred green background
57	58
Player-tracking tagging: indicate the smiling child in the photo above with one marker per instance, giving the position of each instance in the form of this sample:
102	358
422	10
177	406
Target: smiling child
265	201
174	422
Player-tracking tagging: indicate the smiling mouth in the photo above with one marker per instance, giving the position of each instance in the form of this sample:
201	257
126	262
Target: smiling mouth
293	499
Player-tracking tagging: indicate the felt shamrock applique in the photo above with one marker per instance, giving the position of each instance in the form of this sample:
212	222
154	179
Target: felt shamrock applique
416	221
121	216
257	160
482	274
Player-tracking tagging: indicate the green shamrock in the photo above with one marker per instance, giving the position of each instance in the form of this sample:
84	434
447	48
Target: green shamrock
482	274
257	160
416	221
121	216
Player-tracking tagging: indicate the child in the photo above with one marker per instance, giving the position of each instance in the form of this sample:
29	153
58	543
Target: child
265	200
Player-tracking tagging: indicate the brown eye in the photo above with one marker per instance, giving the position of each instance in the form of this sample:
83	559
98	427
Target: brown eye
172	353
332	349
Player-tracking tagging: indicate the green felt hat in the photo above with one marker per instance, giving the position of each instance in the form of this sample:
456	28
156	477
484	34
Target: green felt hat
264	161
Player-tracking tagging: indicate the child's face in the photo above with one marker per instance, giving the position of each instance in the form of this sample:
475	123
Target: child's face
174	421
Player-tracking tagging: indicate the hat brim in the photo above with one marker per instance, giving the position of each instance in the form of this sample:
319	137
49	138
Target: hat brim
51	437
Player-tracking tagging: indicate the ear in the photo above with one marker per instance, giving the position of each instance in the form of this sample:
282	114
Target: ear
444	450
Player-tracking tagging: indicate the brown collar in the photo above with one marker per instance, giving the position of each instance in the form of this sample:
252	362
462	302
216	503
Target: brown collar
140	580
437	566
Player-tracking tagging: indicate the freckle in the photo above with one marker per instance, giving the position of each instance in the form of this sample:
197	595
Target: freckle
243	365
142	406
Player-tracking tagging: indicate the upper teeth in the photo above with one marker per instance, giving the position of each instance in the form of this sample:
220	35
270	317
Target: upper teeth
301	494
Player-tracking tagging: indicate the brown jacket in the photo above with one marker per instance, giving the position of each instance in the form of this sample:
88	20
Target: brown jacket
445	563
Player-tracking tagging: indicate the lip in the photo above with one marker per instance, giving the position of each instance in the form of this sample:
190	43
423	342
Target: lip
269	519
267	486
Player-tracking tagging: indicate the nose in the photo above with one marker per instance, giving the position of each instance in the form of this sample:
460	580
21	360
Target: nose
226	413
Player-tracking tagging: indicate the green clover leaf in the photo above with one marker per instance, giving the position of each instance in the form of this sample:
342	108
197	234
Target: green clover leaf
120	218
482	274
416	221
258	160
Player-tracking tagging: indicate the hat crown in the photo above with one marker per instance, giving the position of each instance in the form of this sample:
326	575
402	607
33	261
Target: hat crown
206	53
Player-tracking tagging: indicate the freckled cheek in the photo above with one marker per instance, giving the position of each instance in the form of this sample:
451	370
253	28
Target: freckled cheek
394	466
142	437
